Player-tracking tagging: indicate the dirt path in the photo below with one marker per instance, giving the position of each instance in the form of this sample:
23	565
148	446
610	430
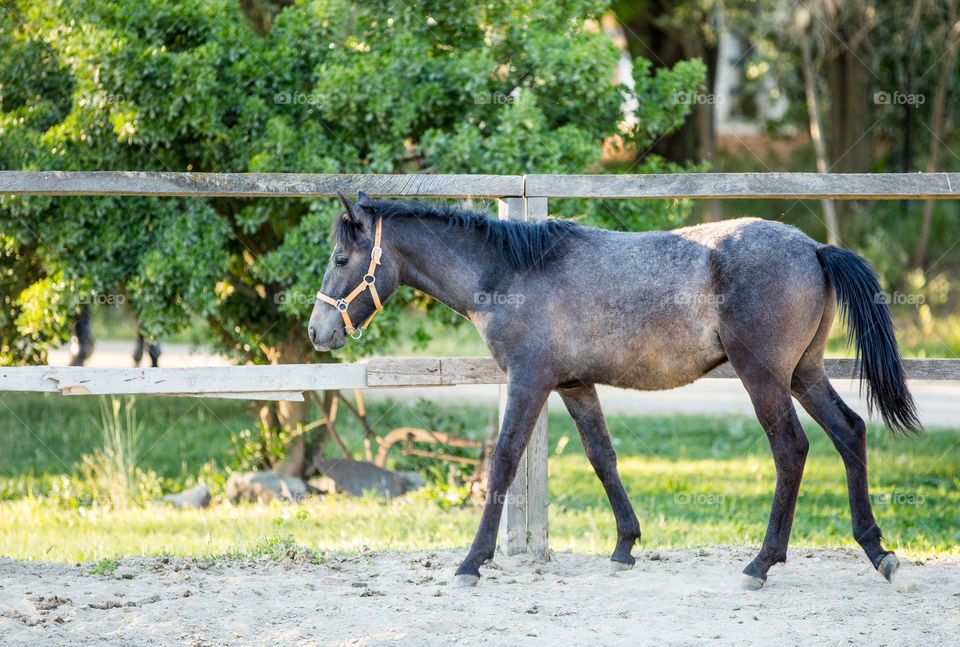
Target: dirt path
685	597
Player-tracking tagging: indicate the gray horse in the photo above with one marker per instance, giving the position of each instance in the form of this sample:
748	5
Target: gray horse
564	307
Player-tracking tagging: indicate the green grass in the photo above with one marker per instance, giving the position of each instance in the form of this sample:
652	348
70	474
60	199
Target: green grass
694	481
45	435
104	567
704	480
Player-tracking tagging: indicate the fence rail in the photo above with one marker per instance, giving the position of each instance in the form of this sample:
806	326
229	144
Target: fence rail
290	381
521	197
839	186
276	185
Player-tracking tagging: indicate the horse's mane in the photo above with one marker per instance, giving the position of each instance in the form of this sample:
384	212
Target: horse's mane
521	245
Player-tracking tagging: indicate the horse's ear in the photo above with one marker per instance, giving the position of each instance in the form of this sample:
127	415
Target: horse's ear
355	214
347	205
363	199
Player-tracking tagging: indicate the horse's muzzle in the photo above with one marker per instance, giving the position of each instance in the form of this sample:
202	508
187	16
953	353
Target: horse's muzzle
336	339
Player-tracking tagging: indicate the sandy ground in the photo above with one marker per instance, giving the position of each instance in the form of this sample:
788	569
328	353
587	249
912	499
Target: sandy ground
685	597
681	598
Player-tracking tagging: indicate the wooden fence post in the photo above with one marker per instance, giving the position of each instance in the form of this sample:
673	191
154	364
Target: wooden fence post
539	448
523	524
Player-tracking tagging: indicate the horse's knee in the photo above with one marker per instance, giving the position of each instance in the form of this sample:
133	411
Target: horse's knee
792	447
800	445
851	440
502	473
504	465
603	460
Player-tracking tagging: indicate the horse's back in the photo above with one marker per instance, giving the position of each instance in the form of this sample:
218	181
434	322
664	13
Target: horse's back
651	310
771	288
754	242
638	310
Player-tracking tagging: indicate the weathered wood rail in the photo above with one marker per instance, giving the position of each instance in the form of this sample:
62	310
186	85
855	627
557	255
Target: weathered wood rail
521	197
290	382
838	186
279	185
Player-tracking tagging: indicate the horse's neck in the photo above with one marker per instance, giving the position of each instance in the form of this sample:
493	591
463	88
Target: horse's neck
447	264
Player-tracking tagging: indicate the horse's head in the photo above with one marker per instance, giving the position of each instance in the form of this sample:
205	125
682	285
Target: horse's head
359	277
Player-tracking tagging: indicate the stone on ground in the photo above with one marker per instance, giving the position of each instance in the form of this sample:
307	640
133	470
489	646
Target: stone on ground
357	477
262	487
196	497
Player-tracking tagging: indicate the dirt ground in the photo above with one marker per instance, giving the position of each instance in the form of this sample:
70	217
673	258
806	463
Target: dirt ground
688	597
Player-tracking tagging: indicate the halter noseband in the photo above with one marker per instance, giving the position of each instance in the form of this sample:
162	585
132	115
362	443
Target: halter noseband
367	283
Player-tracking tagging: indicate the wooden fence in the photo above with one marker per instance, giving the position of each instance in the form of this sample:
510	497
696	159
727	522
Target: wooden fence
520	197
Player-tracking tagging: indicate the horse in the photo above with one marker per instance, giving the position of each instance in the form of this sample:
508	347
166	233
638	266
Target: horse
81	343
564	307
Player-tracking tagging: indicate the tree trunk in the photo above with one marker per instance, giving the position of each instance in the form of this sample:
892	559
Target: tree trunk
705	118
847	68
665	44
321	435
813	109
290	415
936	131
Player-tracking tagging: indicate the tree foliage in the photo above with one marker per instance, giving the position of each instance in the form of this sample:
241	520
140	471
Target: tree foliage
330	87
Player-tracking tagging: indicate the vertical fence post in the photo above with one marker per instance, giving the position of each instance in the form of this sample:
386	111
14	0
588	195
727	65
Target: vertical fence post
539	449
523	524
513	520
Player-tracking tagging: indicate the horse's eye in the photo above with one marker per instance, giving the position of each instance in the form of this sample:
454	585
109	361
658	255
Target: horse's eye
341	261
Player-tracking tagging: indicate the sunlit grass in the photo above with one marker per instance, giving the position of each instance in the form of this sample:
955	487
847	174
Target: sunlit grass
32	529
693	480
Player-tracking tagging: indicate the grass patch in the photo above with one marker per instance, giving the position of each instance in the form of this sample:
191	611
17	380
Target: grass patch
694	481
104	567
45	436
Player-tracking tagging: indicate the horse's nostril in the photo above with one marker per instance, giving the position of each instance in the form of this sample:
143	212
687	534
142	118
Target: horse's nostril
313	334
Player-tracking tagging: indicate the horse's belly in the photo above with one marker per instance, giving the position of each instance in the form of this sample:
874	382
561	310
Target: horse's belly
665	362
663	374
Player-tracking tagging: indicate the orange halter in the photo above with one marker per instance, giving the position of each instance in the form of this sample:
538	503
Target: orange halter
367	283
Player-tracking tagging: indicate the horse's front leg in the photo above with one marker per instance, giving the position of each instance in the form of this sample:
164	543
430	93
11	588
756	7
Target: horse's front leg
584	407
524	403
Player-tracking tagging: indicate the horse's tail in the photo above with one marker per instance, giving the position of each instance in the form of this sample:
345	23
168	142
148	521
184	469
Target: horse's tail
863	309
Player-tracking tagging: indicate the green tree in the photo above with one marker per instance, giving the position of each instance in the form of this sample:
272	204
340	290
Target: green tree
319	87
888	75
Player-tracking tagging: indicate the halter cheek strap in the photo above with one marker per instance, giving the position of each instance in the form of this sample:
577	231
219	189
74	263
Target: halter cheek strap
367	283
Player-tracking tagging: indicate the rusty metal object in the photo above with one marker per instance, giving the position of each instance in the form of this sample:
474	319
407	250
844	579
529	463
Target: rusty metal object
412	434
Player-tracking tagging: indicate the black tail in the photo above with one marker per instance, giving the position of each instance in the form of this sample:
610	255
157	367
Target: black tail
863	309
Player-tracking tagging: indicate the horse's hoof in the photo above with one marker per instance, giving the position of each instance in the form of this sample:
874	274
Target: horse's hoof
465	580
616	567
888	566
751	583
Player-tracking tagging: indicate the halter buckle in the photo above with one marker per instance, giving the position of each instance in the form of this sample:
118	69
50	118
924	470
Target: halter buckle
342	305
375	254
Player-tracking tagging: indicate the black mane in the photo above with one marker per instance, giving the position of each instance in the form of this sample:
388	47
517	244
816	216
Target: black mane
521	245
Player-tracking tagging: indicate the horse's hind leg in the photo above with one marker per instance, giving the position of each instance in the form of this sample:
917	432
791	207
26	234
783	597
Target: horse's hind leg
770	394
584	408
848	433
